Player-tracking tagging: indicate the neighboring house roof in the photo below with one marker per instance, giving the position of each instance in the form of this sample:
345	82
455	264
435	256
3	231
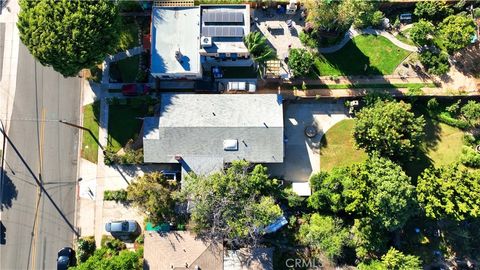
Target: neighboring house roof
175	29
249	259
226	25
199	126
180	250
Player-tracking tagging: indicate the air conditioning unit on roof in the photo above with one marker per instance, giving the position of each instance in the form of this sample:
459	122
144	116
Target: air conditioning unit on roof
205	42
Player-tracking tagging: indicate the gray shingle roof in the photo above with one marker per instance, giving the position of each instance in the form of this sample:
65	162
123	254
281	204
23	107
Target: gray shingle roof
196	125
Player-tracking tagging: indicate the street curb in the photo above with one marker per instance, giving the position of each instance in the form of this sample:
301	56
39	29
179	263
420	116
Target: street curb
79	152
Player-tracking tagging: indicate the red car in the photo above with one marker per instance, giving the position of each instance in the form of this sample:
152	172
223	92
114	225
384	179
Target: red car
135	90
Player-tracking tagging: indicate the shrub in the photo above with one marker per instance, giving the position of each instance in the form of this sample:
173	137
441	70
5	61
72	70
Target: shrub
115	195
85	248
432	105
308	39
435	63
446	118
300	61
112	243
140	239
129	158
470	157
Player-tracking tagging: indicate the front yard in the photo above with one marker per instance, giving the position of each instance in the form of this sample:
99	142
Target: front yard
91	112
363	55
443	146
125	120
125	70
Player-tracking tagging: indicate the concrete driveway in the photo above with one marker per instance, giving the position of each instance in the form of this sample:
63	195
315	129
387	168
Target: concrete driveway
302	155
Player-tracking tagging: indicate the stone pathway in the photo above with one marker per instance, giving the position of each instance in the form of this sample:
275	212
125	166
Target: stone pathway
351	33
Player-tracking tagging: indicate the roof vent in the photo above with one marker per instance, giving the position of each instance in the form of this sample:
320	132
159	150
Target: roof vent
206	42
230	145
178	55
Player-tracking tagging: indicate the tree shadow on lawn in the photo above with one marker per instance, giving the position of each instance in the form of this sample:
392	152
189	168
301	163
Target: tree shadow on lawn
349	60
431	140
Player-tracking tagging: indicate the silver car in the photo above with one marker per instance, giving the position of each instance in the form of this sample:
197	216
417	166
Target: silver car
121	227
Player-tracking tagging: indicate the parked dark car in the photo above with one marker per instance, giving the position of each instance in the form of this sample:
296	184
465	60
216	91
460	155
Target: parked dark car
65	258
135	90
121	227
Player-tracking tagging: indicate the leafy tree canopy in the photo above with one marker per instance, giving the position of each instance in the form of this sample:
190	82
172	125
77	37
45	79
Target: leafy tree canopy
432	10
339	15
300	61
233	205
377	188
449	192
422	32
436	63
152	193
389	129
107	259
456	32
68	35
471	113
259	49
325	234
394	260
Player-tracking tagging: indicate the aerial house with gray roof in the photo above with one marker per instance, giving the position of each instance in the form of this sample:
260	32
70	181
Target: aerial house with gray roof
202	132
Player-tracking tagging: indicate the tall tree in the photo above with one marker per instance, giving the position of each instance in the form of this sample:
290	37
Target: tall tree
471	113
68	35
389	129
234	205
259	49
422	32
300	62
325	234
456	32
376	188
449	192
432	10
152	193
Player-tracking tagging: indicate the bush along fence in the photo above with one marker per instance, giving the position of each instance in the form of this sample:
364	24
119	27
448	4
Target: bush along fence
115	195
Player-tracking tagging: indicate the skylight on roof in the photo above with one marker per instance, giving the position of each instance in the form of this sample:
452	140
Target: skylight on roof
230	145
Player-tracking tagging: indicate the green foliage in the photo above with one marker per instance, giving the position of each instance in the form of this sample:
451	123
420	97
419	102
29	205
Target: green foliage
369	239
233	205
435	63
470	157
112	243
85	248
259	49
129	157
115	195
293	200
372	97
471	113
140	239
339	15
393	260
107	259
325	234
432	104
377	188
129	6
396	260
456	32
432	10
449	193
152	193
128	36
69	35
422	32
389	129
309	39
300	61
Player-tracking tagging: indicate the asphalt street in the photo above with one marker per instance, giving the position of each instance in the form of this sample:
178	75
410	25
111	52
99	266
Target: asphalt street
41	151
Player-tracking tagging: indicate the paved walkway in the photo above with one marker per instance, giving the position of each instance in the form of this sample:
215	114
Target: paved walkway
351	33
117	57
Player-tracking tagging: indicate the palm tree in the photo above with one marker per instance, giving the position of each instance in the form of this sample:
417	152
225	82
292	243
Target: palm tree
259	49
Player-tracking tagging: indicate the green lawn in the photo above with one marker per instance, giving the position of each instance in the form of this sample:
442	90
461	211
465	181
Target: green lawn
364	85
363	55
338	147
122	123
443	146
91	113
125	70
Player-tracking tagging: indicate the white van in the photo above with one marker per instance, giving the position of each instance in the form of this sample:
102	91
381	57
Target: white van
242	86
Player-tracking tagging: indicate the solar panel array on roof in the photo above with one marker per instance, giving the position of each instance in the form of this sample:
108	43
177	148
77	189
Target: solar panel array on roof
222	31
217	16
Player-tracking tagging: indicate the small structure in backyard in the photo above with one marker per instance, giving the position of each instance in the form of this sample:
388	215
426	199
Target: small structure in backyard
202	132
186	37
